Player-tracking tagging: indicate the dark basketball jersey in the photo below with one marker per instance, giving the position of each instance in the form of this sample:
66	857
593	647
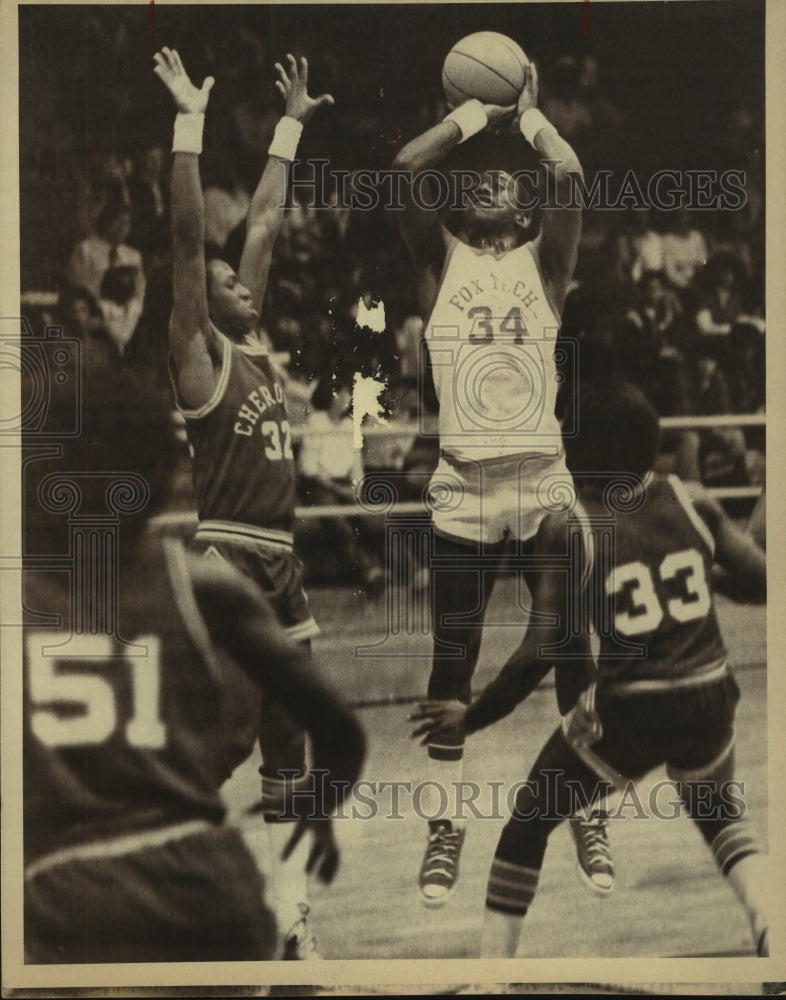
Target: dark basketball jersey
655	614
121	725
243	464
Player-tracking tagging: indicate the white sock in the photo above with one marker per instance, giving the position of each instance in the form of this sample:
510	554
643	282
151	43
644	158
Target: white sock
439	797
750	880
501	933
288	878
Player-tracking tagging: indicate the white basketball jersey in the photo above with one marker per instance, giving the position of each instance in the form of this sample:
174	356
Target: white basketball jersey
491	338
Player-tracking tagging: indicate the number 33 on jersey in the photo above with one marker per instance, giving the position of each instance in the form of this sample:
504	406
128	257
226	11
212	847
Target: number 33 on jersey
657	618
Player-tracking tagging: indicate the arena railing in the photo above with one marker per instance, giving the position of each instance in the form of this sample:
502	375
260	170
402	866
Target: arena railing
407	431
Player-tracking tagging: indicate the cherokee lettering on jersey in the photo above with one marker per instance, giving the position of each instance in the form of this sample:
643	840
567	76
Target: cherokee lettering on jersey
258	402
243	460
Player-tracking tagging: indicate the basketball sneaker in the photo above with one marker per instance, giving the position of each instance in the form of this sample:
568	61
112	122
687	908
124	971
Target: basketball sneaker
300	944
593	856
440	868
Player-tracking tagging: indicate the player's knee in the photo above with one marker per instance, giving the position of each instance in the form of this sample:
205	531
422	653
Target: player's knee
523	842
710	794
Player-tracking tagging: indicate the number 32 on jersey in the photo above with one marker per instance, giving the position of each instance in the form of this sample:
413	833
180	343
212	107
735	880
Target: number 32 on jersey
647	610
278	439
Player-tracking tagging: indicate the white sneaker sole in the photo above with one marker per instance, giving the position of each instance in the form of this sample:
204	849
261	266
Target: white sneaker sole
598	890
437	902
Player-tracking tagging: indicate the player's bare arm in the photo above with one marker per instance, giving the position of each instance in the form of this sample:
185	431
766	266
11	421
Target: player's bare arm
266	211
557	244
242	623
526	667
735	552
426	238
191	338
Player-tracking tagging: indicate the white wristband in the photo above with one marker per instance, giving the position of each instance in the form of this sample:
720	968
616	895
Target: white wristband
531	122
285	139
470	117
188	133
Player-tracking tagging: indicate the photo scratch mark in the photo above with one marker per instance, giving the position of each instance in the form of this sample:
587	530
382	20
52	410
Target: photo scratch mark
371	317
366	393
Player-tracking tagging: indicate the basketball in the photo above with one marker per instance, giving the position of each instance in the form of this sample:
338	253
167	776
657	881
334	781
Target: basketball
487	66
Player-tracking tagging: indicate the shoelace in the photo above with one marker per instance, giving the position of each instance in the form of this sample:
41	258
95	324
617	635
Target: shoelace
443	847
594	830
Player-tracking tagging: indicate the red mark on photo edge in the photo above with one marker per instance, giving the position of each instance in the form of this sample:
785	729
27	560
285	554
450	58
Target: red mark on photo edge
152	9
584	23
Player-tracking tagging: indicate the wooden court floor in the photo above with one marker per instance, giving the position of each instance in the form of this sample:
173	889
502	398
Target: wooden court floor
669	899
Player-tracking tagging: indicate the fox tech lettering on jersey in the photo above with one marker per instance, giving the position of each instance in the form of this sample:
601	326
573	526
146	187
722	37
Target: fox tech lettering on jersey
467	292
261	399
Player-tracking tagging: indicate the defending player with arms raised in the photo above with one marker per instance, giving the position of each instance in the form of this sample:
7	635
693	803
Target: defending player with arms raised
236	419
126	855
491	304
663	692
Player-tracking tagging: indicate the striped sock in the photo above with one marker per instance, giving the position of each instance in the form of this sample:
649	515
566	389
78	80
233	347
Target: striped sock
734	842
740	858
511	888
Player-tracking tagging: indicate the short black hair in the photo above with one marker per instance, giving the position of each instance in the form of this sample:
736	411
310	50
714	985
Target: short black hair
616	431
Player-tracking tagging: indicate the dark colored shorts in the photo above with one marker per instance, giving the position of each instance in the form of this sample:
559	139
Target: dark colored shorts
277	572
687	729
199	898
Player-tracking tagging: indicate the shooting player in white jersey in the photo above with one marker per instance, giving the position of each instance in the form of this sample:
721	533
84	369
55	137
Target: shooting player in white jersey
491	298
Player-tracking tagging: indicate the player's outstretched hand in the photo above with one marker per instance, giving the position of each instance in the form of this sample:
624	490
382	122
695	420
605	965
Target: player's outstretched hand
323	858
293	84
169	69
439	718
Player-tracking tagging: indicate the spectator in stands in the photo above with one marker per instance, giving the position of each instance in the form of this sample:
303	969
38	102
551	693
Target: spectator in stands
81	318
120	306
149	197
603	114
92	257
226	205
684	252
407	338
730	337
655	347
105	182
78	312
647	246
563	104
657	355
329	468
720	302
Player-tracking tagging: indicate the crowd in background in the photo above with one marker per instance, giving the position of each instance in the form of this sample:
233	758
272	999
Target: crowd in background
674	300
